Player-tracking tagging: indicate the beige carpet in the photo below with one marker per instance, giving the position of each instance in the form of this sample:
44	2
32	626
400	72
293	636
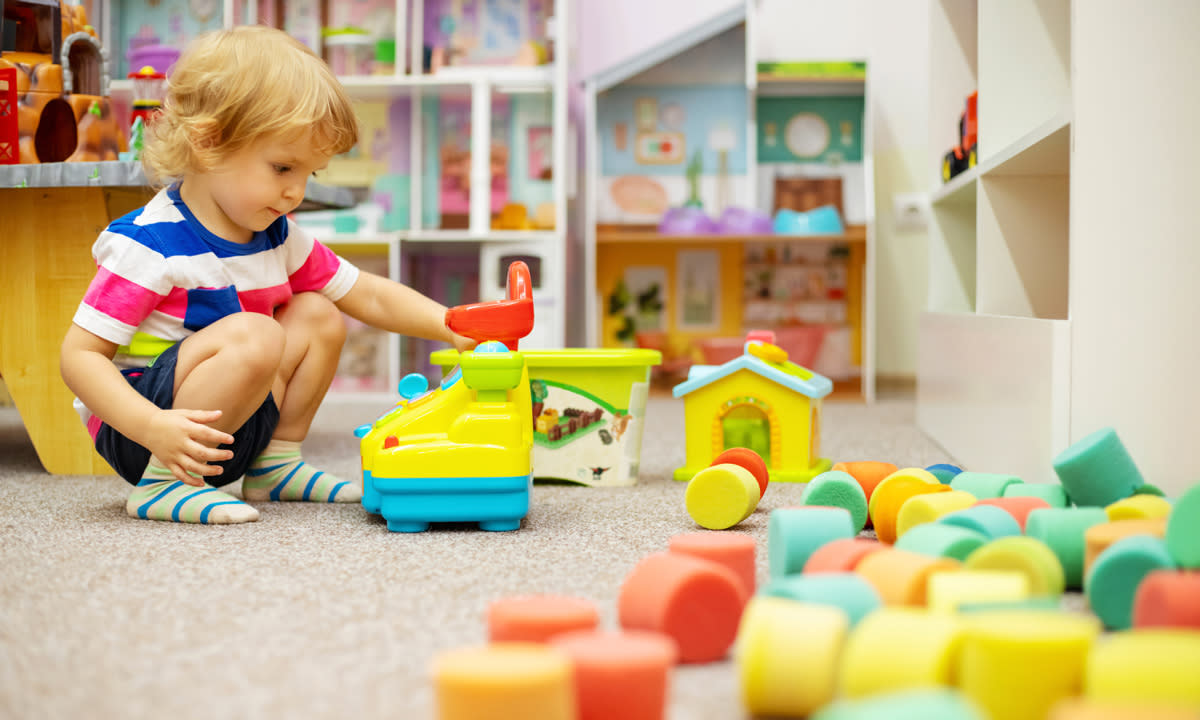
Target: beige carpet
318	611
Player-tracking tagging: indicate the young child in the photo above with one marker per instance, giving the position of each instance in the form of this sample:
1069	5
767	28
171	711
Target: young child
213	326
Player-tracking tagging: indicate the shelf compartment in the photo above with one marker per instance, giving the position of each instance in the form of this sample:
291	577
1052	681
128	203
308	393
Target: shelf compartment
608	234
1045	150
504	80
960	189
953	252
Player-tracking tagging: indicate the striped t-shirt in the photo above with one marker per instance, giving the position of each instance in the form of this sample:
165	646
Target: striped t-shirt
161	276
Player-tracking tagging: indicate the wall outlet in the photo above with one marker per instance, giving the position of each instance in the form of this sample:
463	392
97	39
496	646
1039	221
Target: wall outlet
910	212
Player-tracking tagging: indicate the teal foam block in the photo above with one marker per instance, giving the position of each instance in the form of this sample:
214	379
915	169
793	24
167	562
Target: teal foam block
1112	583
1062	529
848	591
1052	493
1183	529
938	540
991	521
838	489
794	533
983	485
944	472
922	704
1098	470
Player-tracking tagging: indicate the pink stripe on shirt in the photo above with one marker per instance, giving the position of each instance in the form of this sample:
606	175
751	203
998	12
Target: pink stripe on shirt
316	271
119	298
265	300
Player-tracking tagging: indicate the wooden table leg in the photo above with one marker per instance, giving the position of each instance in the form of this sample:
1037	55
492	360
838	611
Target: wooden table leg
45	267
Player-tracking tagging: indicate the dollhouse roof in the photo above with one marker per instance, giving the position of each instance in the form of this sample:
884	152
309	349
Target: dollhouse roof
787	374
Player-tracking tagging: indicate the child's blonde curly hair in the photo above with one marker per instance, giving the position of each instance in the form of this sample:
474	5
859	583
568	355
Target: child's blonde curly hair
233	87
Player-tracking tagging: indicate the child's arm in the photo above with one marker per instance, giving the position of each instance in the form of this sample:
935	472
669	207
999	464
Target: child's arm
388	305
181	439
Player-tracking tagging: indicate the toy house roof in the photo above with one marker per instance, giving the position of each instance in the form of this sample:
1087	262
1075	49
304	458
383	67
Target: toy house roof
787	374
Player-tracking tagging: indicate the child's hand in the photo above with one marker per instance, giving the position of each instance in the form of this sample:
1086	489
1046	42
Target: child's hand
184	442
462	344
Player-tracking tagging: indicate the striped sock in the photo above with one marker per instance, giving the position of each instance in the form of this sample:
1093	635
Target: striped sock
279	473
159	496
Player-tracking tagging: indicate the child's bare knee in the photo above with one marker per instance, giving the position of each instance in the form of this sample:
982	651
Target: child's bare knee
318	315
257	339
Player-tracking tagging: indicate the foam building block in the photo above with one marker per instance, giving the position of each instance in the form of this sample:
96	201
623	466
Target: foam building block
696	602
1018	507
928	643
848	591
1017	664
891	494
1062	529
1149	489
736	551
1081	709
1030	603
922	509
787	656
841	555
947	591
984	485
1052	493
1139	507
900	577
868	473
987	520
1098	470
1168	598
835	488
502	681
1153	666
619	675
925	704
938	540
944	472
1098	538
721	496
793	534
1113	580
749	460
1183	529
537	618
1026	555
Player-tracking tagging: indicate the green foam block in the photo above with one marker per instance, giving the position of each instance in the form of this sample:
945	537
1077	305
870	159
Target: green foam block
1062	529
926	704
1112	583
989	520
1034	603
939	540
1098	470
983	485
1183	529
849	591
1052	493
795	533
838	489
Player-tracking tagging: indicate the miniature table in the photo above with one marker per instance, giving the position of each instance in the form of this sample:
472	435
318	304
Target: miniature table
51	215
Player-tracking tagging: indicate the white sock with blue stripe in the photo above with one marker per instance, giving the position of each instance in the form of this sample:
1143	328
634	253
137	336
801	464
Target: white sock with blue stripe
159	496
279	473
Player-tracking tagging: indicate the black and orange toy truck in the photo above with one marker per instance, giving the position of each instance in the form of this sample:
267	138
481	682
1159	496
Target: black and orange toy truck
964	154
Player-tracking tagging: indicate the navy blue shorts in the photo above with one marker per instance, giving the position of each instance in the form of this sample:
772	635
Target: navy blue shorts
157	384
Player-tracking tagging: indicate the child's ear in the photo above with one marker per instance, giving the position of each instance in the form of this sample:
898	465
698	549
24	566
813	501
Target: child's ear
204	135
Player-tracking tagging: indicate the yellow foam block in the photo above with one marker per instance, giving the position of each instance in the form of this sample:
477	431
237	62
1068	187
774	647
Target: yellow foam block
947	591
721	496
504	680
900	577
787	655
928	643
1079	709
1153	666
926	508
1139	507
1024	554
891	494
1018	664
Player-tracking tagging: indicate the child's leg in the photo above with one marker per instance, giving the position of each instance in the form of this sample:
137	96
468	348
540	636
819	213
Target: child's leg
315	332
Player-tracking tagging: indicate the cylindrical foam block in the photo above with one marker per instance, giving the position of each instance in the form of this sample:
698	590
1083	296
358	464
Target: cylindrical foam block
1183	529
891	494
1052	493
923	703
944	472
848	591
787	656
1150	666
900	577
985	519
1113	580
1018	507
938	540
984	485
623	675
927	642
537	618
721	496
734	550
841	555
1080	709
502	681
697	602
838	489
1063	530
926	508
1097	538
1098	470
1149	489
793	534
1168	598
749	460
1031	603
1025	555
868	473
1018	664
948	591
1139	507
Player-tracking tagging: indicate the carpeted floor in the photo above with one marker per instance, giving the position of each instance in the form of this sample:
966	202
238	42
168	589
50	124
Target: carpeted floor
318	611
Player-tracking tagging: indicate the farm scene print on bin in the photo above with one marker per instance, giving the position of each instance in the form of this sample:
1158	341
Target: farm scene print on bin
581	438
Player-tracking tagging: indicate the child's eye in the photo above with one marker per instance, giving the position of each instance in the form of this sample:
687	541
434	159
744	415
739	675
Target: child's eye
281	169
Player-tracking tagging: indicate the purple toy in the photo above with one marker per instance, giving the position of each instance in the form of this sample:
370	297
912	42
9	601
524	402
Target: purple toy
744	221
687	221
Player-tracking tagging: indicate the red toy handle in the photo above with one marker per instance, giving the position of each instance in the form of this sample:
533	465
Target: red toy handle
504	320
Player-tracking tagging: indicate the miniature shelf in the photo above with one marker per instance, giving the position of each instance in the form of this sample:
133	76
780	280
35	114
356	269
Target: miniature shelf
855	234
506	80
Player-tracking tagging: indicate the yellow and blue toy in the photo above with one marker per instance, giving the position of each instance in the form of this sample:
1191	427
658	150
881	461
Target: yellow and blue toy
758	400
463	451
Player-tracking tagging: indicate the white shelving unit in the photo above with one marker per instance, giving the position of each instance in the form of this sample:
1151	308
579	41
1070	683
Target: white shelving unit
1060	300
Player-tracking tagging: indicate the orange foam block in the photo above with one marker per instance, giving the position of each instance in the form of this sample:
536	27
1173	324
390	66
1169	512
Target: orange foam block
901	577
697	602
868	473
1168	598
619	675
841	555
1016	505
537	618
891	494
1097	538
750	460
736	551
503	681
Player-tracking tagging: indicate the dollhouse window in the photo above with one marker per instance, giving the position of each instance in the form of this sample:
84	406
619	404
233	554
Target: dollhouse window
31	26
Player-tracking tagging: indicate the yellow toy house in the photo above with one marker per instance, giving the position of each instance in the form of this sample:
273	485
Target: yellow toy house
758	400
